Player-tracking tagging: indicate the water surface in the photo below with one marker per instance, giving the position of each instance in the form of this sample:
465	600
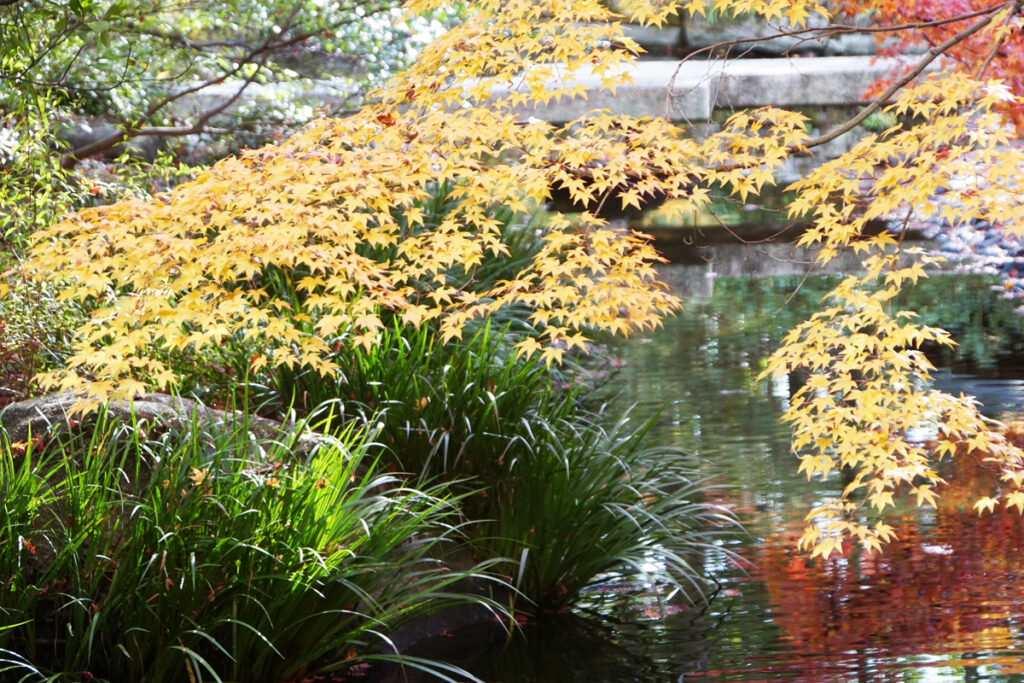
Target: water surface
944	603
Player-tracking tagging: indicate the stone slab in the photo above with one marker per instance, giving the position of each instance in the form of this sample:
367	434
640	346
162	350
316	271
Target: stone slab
694	89
681	91
801	82
659	88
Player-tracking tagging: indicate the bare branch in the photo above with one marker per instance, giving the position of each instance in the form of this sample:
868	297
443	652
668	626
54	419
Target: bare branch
258	56
988	60
930	56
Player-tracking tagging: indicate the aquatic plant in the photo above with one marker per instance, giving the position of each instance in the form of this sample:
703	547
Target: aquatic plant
559	500
579	505
202	554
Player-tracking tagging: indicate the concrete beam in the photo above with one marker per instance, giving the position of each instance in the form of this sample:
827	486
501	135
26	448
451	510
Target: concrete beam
687	91
693	90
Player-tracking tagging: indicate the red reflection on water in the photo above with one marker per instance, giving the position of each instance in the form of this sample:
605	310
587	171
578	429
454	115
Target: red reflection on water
952	589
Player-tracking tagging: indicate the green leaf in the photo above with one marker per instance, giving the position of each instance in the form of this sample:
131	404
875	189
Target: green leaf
116	10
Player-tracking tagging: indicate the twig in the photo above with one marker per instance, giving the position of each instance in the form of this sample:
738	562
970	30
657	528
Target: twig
930	56
995	48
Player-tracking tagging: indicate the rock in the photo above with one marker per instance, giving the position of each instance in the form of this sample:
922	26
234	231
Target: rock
49	415
700	34
657	41
455	634
851	44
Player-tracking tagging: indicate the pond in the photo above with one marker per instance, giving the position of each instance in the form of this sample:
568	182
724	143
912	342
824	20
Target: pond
944	603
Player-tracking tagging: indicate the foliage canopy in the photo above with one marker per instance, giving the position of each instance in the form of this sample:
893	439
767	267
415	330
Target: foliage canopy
83	78
337	209
133	63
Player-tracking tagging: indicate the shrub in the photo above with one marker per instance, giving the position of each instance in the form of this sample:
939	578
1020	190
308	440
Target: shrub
18	364
204	556
444	408
35	330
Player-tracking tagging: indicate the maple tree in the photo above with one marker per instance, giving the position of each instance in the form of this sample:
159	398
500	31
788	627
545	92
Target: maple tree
337	211
931	23
868	406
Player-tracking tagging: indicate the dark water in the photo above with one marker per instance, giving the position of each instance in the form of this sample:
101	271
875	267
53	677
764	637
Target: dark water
944	603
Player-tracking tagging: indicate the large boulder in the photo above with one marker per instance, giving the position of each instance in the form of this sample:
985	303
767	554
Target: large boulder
50	415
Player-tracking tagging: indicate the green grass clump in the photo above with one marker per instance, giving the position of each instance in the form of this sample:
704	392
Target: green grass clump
558	498
579	504
204	555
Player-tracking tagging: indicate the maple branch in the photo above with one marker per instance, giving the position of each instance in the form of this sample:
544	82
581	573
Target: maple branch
991	55
930	56
997	47
841	29
830	30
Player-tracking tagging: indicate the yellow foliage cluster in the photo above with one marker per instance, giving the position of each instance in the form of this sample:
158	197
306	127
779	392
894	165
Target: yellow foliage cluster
867	407
797	12
181	271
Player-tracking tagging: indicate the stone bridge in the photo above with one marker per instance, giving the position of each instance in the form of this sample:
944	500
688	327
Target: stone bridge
692	90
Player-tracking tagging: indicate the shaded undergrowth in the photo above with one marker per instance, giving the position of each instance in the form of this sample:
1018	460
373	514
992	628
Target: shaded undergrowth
200	553
203	555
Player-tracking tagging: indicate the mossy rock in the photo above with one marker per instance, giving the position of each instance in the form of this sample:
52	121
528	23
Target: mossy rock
49	415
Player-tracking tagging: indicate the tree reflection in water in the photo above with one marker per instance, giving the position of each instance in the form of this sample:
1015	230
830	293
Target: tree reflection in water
951	589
